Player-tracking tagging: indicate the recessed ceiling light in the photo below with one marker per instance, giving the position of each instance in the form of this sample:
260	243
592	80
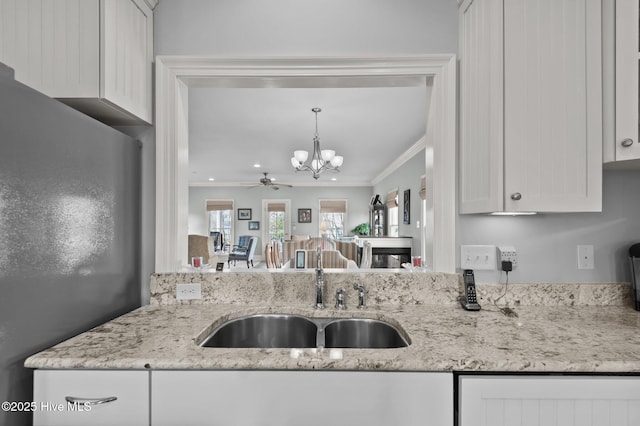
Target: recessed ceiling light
334	179
211	179
257	165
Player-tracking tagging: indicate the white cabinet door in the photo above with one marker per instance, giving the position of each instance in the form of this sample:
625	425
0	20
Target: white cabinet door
553	105
127	34
531	106
312	398
523	401
98	388
53	46
481	106
627	139
94	55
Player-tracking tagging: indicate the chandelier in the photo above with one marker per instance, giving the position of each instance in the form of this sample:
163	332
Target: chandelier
321	160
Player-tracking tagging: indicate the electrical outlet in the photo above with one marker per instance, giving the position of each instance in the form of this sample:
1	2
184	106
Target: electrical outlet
188	291
586	259
478	257
507	253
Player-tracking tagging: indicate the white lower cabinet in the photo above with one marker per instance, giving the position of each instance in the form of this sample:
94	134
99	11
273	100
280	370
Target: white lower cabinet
549	401
307	398
94	392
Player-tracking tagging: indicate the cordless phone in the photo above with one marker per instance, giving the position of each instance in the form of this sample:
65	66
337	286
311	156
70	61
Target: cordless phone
469	300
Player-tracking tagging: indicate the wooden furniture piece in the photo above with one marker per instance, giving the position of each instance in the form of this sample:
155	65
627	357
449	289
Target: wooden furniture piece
289	247
272	255
331	259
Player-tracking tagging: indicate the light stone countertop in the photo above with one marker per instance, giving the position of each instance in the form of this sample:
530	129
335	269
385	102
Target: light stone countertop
559	328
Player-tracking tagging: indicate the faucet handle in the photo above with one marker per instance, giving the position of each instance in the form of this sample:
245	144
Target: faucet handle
361	295
340	299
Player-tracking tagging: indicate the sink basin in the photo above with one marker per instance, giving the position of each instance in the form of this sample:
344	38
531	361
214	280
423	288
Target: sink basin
264	331
362	333
296	331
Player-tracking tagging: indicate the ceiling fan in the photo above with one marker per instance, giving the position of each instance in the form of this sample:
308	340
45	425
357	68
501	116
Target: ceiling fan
268	182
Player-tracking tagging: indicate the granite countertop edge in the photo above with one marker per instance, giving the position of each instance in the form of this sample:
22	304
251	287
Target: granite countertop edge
444	338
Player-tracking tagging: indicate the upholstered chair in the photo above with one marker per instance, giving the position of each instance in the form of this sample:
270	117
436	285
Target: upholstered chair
200	246
244	253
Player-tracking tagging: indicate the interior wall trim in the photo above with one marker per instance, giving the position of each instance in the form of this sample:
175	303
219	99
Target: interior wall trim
175	74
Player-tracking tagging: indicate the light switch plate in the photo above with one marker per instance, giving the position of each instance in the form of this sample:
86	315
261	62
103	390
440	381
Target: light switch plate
189	291
478	257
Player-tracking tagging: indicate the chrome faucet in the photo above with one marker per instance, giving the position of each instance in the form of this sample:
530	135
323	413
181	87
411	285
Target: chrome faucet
340	299
319	280
361	301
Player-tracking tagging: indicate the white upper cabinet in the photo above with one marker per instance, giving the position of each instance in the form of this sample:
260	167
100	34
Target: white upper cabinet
626	142
94	55
531	106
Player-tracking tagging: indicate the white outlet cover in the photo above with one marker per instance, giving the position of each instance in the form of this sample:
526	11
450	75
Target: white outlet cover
189	291
507	253
586	259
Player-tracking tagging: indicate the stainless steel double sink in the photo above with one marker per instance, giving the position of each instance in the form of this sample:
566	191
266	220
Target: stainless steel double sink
297	331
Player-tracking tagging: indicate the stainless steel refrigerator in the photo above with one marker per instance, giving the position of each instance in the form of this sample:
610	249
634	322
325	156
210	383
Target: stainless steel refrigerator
69	229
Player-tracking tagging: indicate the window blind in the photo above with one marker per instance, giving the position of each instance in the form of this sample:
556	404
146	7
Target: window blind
275	207
217	205
333	206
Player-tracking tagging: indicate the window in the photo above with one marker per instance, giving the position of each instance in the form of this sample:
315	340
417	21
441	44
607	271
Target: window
392	213
276	218
221	221
332	218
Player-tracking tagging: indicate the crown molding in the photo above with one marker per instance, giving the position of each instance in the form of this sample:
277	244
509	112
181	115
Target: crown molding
403	158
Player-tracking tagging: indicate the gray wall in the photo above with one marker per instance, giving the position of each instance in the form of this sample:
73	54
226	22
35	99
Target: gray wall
407	177
546	243
333	28
288	28
304	28
69	226
301	197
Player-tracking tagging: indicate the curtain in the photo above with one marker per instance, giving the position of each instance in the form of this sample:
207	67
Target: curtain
392	198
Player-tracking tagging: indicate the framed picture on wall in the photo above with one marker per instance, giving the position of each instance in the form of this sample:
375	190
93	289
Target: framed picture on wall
407	207
254	226
304	215
244	214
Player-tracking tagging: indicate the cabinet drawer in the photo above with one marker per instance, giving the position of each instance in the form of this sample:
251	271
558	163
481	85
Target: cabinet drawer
52	387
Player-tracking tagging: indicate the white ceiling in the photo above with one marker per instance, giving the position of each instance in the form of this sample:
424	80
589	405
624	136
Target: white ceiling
231	129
